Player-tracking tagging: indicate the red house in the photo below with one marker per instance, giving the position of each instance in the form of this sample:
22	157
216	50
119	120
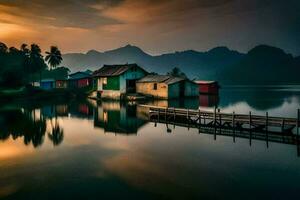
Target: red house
80	80
207	100
208	87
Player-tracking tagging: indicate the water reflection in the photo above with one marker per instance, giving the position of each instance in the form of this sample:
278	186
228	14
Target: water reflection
88	162
56	133
18	123
118	117
33	123
259	98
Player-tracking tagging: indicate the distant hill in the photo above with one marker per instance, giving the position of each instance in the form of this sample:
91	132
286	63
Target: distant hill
261	65
194	64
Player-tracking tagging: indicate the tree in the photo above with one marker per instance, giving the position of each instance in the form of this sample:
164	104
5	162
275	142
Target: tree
177	73
36	61
3	48
26	59
24	49
53	57
14	51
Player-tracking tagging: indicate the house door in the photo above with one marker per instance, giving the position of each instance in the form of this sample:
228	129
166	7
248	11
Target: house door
130	86
181	89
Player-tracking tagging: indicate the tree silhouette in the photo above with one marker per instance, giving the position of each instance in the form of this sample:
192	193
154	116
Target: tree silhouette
36	60
57	133
176	72
3	48
53	57
20	124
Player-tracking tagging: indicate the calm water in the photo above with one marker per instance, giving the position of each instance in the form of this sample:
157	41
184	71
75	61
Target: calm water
88	150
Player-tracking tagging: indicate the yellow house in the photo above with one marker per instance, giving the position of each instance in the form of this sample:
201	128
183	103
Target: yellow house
166	87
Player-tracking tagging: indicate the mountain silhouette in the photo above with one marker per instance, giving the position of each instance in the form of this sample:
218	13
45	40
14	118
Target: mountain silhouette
220	63
263	65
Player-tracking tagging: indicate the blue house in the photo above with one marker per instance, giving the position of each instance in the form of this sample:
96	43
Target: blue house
47	84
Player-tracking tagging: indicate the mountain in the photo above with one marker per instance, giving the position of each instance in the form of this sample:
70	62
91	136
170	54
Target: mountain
194	64
263	65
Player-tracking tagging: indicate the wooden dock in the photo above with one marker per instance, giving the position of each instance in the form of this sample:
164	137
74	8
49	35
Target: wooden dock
253	127
218	119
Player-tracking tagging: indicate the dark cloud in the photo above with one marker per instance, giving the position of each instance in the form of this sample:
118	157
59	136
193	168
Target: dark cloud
65	13
160	25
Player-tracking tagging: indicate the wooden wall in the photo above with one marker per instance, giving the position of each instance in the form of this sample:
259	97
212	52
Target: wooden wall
148	89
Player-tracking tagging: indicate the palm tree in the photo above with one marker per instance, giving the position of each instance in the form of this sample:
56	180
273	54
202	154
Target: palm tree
53	57
37	63
3	48
26	54
24	49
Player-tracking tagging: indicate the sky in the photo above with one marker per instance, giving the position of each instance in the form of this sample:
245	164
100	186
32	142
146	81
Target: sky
156	26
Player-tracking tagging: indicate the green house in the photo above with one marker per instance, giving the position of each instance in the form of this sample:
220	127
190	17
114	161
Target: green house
113	81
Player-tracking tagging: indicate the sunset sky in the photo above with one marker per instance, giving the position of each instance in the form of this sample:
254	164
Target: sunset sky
157	26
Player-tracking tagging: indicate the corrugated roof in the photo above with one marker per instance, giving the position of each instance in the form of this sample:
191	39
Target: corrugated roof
172	80
114	70
153	78
206	82
160	79
79	75
47	80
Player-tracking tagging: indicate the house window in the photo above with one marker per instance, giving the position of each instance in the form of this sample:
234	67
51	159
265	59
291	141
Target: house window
155	86
104	81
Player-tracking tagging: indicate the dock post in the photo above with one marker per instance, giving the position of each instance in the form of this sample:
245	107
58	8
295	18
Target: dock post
174	114
297	136
282	125
219	113
250	131
188	118
250	120
199	116
166	110
215	109
215	124
233	128
220	121
158	114
267	137
298	119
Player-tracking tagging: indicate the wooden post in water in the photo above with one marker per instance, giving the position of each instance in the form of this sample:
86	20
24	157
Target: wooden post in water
298	119
199	116
215	124
215	116
219	116
166	110
297	126
220	121
250	131
174	117
158	114
174	114
188	118
233	127
267	124
187	114
282	125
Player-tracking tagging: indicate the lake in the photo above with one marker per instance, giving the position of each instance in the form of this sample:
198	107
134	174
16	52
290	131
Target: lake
82	149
